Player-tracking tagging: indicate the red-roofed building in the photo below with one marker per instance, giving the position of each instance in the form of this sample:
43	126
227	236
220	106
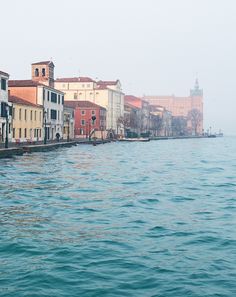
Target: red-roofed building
3	104
89	117
107	94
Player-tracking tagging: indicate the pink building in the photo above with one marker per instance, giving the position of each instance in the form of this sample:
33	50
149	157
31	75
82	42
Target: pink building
190	107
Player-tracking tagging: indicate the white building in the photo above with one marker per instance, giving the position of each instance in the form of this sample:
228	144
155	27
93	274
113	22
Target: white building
107	94
3	101
40	90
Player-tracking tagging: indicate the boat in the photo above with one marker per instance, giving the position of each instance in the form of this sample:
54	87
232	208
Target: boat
141	139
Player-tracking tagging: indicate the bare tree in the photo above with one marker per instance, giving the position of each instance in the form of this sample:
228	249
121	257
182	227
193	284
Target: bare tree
179	126
195	116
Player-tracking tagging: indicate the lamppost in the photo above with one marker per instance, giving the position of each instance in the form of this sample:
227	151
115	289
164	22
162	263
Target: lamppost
45	126
7	123
68	128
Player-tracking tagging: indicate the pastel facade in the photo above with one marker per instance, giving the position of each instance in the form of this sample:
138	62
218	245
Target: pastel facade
84	111
107	94
39	91
27	120
69	123
182	106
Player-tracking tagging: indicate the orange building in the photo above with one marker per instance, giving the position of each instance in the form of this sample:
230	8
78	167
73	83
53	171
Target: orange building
190	108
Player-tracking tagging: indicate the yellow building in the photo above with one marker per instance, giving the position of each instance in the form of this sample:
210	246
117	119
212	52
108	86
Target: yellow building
27	120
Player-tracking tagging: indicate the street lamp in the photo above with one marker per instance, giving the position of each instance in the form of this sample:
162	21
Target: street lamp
7	123
68	128
45	126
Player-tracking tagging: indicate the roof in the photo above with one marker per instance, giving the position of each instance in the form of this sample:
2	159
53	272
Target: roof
18	100
108	82
82	104
4	73
43	63
29	83
131	105
75	79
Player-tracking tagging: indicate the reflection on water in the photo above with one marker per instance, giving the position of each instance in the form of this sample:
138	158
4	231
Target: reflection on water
122	219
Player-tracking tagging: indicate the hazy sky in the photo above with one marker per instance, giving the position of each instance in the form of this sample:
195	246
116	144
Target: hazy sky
154	47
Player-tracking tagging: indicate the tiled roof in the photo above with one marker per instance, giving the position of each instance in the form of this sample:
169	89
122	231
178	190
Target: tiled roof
18	100
81	104
4	73
75	79
29	83
43	63
131	105
108	82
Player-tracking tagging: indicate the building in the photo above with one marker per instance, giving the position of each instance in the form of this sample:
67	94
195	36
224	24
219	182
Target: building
69	123
90	118
160	121
107	94
27	120
4	106
189	108
132	116
40	91
144	107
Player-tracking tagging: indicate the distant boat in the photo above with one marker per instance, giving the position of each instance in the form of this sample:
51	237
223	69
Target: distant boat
141	139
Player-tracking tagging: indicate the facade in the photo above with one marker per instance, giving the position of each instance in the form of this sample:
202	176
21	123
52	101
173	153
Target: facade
69	123
132	116
90	118
144	107
27	120
190	108
107	94
40	91
160	121
4	77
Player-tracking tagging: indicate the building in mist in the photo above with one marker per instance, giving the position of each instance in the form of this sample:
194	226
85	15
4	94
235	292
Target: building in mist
40	91
188	109
107	94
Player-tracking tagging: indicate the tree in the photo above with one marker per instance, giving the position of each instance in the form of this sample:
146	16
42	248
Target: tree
195	116
179	126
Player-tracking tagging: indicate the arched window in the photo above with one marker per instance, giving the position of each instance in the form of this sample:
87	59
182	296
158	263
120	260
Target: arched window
36	72
43	72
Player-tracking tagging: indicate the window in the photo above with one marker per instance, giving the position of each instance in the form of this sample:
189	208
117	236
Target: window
43	94
40	133
25	114
20	114
53	114
75	96
3	84
43	72
48	113
59	99
58	115
53	97
31	115
36	72
13	113
25	133
83	112
62	99
82	85
48	95
83	122
19	132
13	132
88	85
35	115
93	112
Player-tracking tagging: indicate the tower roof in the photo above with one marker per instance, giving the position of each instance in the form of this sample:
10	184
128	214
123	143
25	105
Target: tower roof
196	91
44	63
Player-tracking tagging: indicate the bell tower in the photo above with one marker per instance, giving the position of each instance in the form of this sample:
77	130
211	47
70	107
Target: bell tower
43	72
196	91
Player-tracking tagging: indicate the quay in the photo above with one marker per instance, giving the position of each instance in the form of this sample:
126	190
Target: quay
22	149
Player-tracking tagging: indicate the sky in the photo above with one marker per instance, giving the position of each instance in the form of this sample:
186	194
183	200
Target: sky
154	47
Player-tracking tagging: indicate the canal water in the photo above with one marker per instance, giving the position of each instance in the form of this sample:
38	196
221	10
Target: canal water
121	219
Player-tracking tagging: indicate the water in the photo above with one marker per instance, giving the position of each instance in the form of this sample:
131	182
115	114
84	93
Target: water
121	219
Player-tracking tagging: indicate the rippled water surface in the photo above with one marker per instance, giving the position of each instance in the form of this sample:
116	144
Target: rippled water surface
121	219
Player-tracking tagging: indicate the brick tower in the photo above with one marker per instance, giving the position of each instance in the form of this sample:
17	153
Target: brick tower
43	72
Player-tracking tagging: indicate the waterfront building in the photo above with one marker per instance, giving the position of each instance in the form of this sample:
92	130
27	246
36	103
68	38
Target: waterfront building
40	91
189	108
69	123
5	110
160	121
27	120
144	117
90	118
132	116
107	94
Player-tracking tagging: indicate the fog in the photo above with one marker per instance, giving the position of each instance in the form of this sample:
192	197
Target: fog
155	47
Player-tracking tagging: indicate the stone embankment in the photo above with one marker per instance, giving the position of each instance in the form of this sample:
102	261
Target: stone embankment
18	151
